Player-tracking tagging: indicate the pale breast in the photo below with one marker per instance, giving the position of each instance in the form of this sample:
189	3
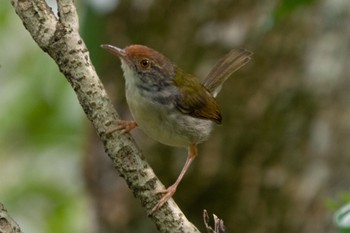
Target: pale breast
164	123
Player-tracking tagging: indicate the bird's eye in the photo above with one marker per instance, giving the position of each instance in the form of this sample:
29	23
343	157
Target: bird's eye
145	63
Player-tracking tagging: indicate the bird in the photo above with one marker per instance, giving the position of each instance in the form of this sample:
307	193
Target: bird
170	105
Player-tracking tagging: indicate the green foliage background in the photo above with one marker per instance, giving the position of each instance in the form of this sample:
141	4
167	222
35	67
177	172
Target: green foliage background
42	130
281	158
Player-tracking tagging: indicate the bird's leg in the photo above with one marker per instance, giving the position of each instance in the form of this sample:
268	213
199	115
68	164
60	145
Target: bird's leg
123	126
169	192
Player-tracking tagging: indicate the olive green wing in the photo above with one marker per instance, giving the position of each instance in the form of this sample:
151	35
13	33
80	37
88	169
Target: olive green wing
194	99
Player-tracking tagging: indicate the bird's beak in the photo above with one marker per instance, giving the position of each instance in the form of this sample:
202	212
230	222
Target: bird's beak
117	52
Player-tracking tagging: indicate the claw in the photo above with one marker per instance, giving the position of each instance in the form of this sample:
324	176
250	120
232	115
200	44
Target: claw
123	127
168	193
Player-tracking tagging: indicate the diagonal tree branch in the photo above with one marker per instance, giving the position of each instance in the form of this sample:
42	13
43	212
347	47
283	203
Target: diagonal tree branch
60	38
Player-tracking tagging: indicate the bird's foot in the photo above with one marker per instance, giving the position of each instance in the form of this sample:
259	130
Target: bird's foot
167	194
122	126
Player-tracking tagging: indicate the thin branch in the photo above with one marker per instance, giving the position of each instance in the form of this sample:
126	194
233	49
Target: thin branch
61	40
219	226
7	224
68	14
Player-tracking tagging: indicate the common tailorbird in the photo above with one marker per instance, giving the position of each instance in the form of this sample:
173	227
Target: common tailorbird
170	105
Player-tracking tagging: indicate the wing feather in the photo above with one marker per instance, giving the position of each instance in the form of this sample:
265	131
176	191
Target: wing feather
194	99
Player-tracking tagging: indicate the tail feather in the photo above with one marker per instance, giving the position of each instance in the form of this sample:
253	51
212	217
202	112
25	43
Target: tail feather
229	64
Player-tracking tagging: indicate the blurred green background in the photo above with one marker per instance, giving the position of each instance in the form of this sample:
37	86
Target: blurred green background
42	132
280	163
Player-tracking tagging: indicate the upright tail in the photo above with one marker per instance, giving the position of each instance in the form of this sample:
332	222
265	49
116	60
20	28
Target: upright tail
232	62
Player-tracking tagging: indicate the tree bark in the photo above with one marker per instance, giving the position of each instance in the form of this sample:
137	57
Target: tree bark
59	37
7	224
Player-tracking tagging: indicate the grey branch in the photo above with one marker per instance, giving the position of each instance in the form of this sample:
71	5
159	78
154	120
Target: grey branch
7	224
60	38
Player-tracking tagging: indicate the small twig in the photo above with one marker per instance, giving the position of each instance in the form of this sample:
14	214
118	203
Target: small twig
219	226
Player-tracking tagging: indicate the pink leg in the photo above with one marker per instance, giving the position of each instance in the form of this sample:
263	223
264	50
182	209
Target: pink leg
123	126
169	192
